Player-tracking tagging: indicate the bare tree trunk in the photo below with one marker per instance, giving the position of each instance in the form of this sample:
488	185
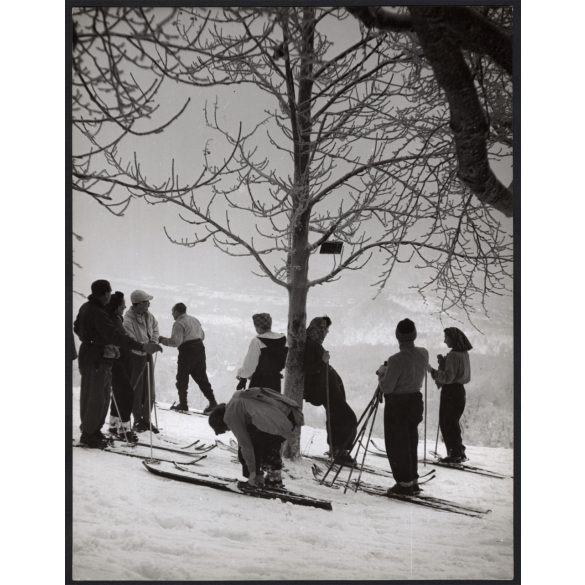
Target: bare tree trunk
297	320
299	253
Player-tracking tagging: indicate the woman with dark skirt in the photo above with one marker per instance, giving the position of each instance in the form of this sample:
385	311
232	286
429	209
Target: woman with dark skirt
323	386
454	371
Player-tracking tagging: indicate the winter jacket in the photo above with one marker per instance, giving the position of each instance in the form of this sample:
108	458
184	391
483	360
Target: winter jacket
143	328
316	373
457	369
404	372
265	360
96	329
265	409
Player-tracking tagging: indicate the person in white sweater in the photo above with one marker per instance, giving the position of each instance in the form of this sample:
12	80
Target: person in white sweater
187	335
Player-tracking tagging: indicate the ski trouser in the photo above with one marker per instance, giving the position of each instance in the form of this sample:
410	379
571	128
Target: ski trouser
192	362
341	419
94	399
402	415
451	409
142	380
122	391
266	451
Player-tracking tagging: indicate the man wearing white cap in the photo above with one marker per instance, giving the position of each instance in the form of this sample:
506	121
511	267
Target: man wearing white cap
141	325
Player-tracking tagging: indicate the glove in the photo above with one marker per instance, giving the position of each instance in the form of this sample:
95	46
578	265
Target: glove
380	395
241	384
151	347
162	340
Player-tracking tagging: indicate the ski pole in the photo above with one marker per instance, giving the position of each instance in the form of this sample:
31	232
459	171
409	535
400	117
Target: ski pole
357	483
367	413
118	411
149	404
328	411
425	407
154	401
371	409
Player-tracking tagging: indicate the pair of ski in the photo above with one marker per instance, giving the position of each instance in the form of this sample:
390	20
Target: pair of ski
178	472
194	448
187	412
142	451
419	499
381	452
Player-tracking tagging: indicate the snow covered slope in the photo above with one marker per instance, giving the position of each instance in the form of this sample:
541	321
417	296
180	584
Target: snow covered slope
131	525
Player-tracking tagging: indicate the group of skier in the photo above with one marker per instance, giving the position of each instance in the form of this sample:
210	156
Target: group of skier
115	357
115	361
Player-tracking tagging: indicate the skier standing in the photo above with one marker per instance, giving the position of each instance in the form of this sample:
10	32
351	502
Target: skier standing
187	335
455	372
400	381
123	393
96	331
141	325
266	356
324	386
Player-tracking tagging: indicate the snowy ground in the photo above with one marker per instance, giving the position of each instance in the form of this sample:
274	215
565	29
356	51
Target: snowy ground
131	525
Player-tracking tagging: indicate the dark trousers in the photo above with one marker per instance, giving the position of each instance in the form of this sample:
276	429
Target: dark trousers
451	408
192	362
94	399
141	379
122	391
266	451
341	419
402	415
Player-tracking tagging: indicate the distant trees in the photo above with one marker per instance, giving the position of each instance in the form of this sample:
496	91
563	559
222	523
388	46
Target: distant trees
349	140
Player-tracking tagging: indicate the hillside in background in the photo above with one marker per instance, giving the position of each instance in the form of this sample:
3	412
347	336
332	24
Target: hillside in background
360	339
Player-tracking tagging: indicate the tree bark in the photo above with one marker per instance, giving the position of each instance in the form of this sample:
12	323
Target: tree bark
298	264
468	121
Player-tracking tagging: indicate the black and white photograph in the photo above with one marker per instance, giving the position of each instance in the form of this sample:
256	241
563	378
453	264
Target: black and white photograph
292	292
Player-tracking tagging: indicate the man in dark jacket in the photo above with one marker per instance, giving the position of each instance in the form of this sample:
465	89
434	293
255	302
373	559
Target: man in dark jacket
97	334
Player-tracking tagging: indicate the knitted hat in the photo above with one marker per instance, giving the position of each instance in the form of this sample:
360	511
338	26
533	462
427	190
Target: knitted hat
263	321
405	331
139	296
